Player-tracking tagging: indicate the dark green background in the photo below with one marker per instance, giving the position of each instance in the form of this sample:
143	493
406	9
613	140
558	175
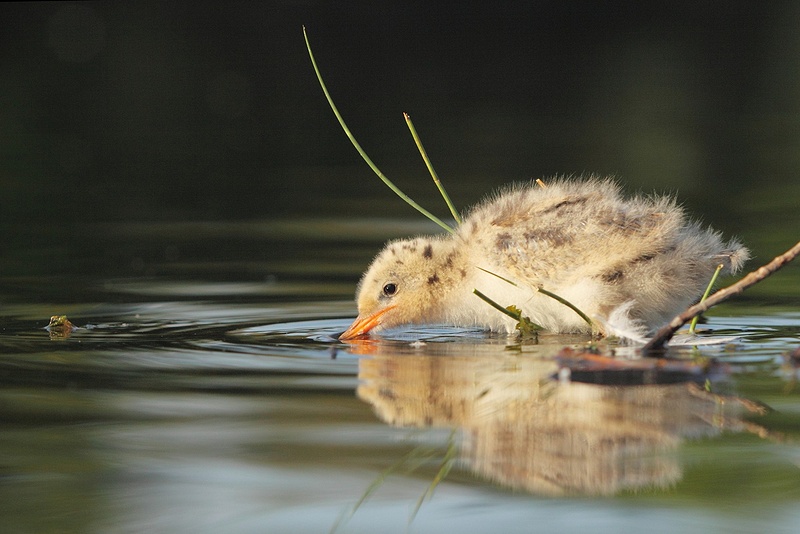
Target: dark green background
163	111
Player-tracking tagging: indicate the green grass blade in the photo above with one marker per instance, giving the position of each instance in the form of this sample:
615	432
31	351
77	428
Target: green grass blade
496	306
568	304
428	164
487	271
360	150
693	324
541	290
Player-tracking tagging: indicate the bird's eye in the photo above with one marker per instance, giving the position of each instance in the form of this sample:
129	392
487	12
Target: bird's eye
390	289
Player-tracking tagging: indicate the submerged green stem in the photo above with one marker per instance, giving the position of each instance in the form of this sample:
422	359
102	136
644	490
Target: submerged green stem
360	150
428	164
693	324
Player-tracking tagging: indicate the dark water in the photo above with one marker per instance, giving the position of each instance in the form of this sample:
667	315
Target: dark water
204	391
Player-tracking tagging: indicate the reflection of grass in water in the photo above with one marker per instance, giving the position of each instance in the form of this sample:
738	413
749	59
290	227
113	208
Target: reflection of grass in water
444	469
408	463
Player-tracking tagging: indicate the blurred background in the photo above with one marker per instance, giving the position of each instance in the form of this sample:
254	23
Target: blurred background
211	111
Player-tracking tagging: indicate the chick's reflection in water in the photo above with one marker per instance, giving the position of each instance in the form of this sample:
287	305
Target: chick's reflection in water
524	430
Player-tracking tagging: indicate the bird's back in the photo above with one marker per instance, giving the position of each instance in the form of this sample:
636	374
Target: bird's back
585	234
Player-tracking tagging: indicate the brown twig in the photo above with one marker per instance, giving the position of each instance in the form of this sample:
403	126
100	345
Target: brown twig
666	332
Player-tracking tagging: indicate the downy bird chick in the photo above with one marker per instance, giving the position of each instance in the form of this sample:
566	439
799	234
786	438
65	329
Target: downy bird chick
578	239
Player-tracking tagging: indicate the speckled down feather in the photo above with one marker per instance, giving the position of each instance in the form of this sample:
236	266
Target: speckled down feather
579	239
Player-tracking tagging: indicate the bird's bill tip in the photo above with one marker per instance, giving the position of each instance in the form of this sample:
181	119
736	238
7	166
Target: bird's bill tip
363	324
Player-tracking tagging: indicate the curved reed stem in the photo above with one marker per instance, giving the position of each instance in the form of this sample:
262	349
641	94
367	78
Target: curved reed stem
360	150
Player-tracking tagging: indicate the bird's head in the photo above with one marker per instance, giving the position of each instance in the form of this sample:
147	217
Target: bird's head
406	284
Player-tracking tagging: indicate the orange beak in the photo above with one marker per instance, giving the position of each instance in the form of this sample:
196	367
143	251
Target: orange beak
363	324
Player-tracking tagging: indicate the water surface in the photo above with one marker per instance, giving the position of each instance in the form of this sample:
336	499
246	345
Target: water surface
204	390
